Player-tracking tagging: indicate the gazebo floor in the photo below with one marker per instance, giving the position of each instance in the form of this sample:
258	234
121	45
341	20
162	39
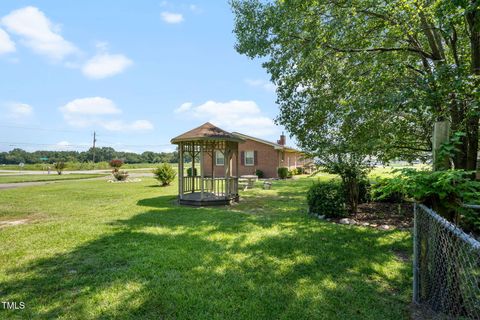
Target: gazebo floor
209	199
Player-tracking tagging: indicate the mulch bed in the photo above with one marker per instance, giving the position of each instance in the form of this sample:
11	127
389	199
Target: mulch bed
382	215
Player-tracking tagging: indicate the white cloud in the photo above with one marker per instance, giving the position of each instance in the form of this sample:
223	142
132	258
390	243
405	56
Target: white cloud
235	115
184	107
171	17
90	106
105	65
18	111
6	44
98	111
263	84
38	33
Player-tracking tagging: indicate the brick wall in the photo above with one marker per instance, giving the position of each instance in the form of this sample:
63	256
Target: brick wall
267	161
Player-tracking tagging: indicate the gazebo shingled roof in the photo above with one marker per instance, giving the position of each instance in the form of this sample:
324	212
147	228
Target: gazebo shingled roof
206	131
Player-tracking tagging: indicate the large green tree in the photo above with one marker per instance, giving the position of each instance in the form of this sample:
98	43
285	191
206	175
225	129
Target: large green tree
381	72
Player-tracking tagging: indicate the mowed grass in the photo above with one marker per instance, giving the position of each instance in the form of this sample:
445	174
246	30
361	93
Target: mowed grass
46	177
94	250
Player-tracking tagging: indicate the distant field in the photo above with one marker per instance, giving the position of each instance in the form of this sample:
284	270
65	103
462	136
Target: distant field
46	177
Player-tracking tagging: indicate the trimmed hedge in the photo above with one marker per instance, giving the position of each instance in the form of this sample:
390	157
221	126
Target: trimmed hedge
283	172
327	198
189	172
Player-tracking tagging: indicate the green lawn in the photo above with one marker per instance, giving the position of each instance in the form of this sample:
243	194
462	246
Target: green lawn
92	250
45	177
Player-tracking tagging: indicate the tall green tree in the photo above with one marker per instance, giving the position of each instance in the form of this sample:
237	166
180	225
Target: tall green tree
391	67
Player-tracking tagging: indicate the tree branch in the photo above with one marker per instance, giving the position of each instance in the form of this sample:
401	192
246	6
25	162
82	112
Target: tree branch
382	49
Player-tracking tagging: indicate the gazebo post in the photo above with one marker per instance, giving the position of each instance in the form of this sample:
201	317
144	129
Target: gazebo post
193	167
214	158
227	170
237	174
180	171
202	175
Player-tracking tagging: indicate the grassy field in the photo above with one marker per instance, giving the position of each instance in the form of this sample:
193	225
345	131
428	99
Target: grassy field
91	250
46	177
75	166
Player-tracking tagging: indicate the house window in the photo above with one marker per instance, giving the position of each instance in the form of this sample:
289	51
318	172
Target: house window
249	158
219	158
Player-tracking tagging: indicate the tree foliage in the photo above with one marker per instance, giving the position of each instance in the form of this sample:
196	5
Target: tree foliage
102	154
369	77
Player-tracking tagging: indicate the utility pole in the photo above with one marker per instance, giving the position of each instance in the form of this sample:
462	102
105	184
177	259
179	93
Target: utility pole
94	140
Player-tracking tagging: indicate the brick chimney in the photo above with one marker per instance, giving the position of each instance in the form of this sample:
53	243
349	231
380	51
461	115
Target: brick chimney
283	140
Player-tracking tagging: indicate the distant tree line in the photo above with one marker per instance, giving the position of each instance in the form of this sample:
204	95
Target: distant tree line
17	156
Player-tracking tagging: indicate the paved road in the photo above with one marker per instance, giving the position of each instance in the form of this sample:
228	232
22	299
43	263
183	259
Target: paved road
53	172
4	186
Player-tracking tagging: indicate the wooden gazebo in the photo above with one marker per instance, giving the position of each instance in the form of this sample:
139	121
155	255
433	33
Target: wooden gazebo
200	189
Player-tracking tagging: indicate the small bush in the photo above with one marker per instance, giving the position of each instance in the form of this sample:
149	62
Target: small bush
59	166
116	164
165	174
120	175
189	172
327	198
300	170
283	172
259	173
383	191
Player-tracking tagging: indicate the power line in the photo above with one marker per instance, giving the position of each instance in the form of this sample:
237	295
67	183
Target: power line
37	128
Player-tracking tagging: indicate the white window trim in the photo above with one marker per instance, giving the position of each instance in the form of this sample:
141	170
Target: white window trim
245	158
216	163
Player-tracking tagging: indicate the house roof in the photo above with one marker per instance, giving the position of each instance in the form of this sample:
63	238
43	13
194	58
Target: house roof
276	146
206	131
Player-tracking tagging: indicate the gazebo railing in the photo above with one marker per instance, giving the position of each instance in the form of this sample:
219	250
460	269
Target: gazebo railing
211	185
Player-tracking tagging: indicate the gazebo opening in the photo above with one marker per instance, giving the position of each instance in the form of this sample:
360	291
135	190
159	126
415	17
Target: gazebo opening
194	186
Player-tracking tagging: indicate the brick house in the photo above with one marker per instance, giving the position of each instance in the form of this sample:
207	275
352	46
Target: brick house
257	154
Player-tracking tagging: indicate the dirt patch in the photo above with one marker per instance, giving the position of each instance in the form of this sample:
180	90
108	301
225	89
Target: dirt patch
382	215
11	223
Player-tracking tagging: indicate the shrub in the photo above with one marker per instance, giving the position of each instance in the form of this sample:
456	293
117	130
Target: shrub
189	172
165	174
120	175
443	191
283	172
364	191
259	173
59	166
383	191
116	164
327	198
300	170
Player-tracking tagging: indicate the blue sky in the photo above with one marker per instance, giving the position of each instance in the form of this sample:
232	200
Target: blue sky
138	73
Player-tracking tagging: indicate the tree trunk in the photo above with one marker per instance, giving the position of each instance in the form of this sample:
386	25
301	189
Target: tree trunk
473	19
441	133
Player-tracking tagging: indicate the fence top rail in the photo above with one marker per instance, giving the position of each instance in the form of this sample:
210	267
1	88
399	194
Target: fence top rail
471	206
451	227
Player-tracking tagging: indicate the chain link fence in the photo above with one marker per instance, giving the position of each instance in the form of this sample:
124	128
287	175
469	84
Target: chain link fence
446	267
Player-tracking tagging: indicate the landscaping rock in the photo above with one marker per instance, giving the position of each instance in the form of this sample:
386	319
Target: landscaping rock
347	221
321	217
385	227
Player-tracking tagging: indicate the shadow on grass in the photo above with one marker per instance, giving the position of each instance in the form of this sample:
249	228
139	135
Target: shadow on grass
203	263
